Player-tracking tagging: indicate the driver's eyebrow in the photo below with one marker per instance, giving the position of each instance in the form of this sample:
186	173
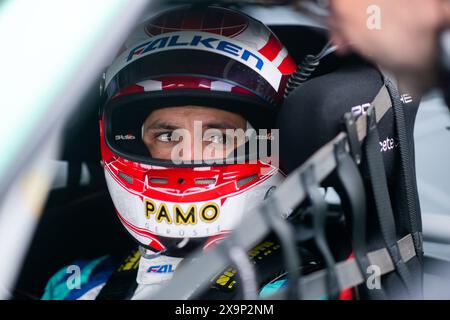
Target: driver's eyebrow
219	125
162	126
206	125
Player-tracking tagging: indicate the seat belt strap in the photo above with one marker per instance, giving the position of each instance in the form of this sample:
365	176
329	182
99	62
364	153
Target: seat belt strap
314	285
354	198
409	186
122	283
382	198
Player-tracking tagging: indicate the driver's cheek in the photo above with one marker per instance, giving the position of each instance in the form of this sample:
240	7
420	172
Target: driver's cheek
160	150
200	150
213	150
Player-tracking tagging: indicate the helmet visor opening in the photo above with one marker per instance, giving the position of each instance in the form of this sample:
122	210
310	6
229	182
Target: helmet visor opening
151	130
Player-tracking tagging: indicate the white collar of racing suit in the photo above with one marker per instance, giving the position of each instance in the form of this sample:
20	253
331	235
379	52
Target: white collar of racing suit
157	269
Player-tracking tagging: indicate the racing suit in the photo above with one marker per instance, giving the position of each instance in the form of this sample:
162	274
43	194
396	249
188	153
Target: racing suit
152	273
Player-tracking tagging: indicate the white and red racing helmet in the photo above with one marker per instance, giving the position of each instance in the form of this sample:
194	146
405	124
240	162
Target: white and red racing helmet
201	56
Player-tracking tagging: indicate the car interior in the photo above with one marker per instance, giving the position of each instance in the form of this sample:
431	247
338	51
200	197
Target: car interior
78	221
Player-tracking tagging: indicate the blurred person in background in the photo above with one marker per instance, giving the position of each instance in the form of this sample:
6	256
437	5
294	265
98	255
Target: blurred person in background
409	38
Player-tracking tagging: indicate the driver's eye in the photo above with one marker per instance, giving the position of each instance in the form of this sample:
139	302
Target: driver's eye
217	138
165	137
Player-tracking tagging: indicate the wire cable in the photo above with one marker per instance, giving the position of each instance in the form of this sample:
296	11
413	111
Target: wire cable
307	67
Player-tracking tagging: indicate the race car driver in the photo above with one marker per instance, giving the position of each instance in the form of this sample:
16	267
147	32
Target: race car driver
179	179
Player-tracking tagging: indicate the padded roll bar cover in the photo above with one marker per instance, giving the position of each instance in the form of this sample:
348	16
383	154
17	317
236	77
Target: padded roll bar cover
312	115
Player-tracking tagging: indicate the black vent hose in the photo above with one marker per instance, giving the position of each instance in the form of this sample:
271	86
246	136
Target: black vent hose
307	68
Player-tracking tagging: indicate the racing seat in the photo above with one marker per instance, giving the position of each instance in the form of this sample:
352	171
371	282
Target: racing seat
313	115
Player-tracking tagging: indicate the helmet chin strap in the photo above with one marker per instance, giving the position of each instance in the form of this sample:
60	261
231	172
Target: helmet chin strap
180	245
145	253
